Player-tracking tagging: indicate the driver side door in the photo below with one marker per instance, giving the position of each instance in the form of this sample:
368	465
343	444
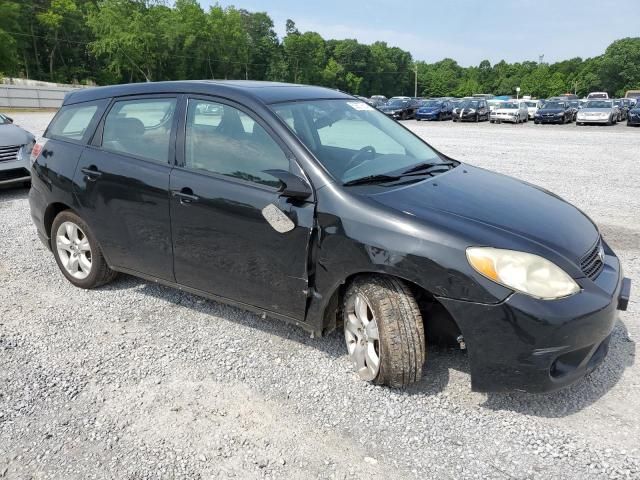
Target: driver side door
223	241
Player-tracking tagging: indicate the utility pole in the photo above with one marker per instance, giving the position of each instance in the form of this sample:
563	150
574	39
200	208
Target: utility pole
415	85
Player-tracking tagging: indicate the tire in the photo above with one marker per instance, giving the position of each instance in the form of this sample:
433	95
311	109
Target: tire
403	116
400	349
477	117
99	272
536	122
492	121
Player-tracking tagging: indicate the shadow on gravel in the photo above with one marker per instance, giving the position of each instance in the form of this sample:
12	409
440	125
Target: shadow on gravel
436	371
12	192
622	353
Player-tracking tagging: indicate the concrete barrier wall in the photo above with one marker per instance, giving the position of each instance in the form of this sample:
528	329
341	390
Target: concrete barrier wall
22	96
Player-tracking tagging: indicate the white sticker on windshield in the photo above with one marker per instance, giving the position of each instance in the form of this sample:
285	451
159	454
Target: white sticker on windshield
360	106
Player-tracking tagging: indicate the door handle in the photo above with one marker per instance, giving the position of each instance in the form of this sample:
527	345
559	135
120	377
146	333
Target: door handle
92	173
185	195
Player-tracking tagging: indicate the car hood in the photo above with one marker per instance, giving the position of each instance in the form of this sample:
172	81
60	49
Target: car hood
550	110
13	135
596	110
503	204
429	109
506	110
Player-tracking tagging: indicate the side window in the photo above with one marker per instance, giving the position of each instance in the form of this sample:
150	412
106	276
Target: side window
72	122
224	140
140	127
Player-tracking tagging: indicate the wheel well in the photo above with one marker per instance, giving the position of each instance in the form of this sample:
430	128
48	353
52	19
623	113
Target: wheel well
439	326
51	213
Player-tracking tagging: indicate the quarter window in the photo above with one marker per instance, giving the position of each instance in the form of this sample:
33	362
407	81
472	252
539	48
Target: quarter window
224	140
72	121
140	127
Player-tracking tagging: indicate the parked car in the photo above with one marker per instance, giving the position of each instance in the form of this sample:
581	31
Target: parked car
622	107
378	100
472	110
434	110
15	148
598	111
634	115
575	107
513	111
493	103
554	112
598	96
309	206
400	108
532	107
633	94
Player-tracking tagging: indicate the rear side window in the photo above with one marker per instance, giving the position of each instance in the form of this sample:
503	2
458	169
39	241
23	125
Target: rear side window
140	128
74	122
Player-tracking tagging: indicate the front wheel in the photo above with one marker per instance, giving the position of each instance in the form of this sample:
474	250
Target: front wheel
77	252
383	331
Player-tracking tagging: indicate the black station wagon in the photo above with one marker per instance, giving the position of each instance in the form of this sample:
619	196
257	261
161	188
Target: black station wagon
311	206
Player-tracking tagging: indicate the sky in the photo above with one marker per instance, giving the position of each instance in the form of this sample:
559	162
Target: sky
468	31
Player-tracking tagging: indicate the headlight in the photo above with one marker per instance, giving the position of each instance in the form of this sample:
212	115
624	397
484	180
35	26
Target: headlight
25	151
523	272
472	110
559	114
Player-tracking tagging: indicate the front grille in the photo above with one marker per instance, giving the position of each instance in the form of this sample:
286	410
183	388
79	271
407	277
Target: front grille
592	263
8	154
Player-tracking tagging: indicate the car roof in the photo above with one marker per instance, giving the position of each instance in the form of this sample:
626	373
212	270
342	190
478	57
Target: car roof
264	92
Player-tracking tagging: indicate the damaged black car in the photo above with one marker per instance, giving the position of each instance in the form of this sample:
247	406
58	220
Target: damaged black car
308	205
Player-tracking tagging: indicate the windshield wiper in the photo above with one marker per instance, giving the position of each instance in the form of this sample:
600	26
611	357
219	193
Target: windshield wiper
371	179
428	166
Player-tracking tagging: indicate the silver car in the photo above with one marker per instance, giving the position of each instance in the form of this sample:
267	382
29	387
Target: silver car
514	111
15	148
598	111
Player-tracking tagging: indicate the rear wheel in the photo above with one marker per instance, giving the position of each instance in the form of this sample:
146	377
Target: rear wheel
77	252
383	331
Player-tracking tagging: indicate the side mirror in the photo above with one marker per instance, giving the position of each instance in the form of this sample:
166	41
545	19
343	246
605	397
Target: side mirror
292	185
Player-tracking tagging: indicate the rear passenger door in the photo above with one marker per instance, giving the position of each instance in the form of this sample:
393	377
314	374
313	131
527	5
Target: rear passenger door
222	242
122	183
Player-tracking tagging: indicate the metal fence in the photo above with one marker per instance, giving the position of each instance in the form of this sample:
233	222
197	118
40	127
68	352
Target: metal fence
22	96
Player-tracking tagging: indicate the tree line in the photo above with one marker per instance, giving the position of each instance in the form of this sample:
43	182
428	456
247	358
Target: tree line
118	41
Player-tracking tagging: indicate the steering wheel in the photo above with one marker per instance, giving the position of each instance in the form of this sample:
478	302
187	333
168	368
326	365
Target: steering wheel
360	155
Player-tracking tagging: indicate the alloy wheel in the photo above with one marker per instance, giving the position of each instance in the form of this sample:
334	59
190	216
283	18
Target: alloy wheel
74	250
362	338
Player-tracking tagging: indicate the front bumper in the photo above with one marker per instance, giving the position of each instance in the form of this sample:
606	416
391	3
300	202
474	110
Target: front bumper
428	115
465	117
14	171
502	118
592	120
553	119
539	346
633	120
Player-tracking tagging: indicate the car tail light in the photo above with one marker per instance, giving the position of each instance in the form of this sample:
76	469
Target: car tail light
37	149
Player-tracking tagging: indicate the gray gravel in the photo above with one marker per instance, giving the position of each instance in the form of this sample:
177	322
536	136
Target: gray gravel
140	381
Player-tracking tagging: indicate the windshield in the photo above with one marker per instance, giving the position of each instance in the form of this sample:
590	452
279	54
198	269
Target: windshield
598	104
532	104
353	140
397	103
430	103
509	105
556	105
468	104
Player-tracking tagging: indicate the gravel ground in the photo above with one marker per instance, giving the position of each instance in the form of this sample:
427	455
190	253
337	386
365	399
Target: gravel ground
137	381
